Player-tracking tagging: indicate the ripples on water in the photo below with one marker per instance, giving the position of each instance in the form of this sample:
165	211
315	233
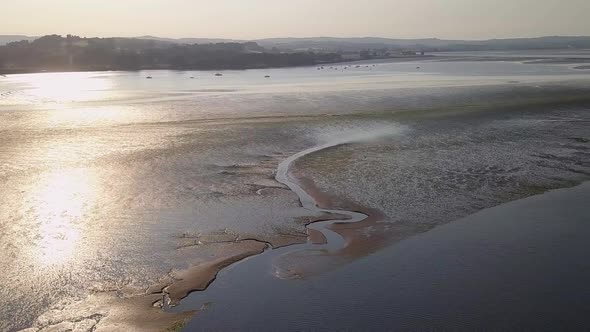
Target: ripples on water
105	174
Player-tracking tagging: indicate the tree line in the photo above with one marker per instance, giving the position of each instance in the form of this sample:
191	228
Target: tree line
57	53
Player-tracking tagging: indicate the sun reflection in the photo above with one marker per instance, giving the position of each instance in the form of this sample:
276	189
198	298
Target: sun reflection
88	116
65	87
60	201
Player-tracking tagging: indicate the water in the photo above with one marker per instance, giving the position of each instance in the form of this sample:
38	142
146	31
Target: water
110	179
523	265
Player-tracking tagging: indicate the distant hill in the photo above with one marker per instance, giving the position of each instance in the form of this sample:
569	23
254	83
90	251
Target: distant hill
191	41
352	44
428	44
74	53
5	39
552	42
333	44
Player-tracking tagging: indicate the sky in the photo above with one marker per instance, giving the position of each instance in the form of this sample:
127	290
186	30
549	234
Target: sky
255	19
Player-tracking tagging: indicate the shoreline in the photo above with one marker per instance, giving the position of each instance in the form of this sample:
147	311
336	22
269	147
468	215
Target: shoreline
4	72
447	57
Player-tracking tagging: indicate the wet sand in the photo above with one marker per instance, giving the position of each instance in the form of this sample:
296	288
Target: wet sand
359	238
140	310
198	277
110	312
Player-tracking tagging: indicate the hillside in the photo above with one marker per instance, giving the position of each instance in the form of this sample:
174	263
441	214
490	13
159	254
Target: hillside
73	53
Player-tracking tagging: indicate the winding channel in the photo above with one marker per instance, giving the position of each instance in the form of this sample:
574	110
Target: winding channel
259	264
333	240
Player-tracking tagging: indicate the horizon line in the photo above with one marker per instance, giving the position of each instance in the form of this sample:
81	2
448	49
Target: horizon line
307	37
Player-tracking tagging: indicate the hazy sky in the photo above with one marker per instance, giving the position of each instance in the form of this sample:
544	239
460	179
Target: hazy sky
251	19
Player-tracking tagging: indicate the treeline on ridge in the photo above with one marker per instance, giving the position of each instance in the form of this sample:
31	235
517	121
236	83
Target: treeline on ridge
57	53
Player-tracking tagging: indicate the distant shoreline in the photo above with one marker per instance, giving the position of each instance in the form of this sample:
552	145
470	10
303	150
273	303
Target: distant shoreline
17	71
447	56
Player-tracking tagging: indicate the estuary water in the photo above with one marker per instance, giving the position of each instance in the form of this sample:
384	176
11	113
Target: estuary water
112	181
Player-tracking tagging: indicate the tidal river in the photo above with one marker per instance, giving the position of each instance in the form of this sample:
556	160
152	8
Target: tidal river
120	195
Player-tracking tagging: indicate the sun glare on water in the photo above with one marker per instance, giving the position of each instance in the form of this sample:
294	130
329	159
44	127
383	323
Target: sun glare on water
60	201
67	87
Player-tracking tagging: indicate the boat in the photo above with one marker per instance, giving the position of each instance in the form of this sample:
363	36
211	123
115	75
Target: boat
218	74
149	77
267	76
